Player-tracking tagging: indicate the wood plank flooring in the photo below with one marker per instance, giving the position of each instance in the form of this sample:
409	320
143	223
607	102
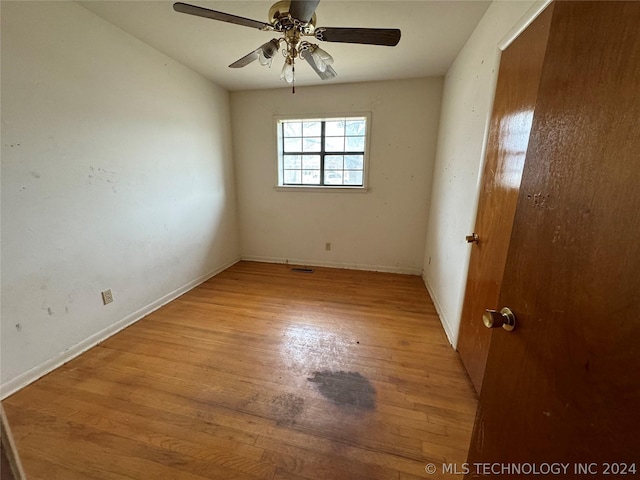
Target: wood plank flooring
259	373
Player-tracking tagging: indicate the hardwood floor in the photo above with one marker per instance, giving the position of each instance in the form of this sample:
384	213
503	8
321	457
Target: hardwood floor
260	372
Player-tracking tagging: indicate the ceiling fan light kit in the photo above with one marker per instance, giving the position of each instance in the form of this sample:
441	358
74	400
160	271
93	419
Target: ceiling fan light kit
295	19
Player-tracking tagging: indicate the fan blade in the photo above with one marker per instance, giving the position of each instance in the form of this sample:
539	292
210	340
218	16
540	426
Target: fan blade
246	60
326	75
369	36
223	17
303	10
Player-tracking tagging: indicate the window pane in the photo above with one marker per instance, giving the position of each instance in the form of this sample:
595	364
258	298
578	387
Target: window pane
293	144
334	144
352	178
311	162
355	127
354	162
292	129
311	129
311	177
333	177
323	151
311	144
292	161
355	144
334	129
292	176
333	162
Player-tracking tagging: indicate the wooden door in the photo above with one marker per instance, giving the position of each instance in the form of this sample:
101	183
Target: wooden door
516	92
564	386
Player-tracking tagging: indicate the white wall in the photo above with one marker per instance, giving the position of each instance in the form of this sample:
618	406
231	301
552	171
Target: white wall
382	229
468	94
116	173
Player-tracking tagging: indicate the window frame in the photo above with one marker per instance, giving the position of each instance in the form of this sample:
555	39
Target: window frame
281	186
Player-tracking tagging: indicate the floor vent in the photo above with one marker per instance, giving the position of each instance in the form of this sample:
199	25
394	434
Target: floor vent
302	270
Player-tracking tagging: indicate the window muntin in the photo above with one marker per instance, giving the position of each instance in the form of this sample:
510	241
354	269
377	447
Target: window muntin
328	152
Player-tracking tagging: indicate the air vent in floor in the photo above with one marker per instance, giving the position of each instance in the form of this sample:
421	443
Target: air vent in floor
302	270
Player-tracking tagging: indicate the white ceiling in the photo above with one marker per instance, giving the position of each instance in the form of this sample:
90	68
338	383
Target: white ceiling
433	32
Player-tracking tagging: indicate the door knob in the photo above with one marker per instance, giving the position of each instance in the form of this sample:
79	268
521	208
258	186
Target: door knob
504	318
473	238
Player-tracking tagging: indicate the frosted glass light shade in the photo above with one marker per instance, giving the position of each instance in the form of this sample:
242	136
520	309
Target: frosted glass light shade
267	52
287	72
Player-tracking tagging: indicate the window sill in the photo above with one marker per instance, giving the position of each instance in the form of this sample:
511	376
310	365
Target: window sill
322	189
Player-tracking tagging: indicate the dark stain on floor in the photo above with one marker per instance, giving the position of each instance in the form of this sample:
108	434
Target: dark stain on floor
286	408
346	389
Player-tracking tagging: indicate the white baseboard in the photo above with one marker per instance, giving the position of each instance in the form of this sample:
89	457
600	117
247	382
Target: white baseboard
350	266
443	318
35	373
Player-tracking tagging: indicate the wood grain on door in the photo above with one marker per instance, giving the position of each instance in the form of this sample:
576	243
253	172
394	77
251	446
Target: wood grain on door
513	110
564	385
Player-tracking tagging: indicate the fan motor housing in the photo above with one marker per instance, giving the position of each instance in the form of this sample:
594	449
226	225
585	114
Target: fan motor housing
279	11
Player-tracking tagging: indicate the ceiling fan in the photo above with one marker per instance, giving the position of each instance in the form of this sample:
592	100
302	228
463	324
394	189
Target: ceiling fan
296	19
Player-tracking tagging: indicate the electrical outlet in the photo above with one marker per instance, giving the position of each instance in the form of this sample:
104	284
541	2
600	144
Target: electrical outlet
107	297
327	246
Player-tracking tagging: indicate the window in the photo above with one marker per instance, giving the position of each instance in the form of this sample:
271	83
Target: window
322	152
